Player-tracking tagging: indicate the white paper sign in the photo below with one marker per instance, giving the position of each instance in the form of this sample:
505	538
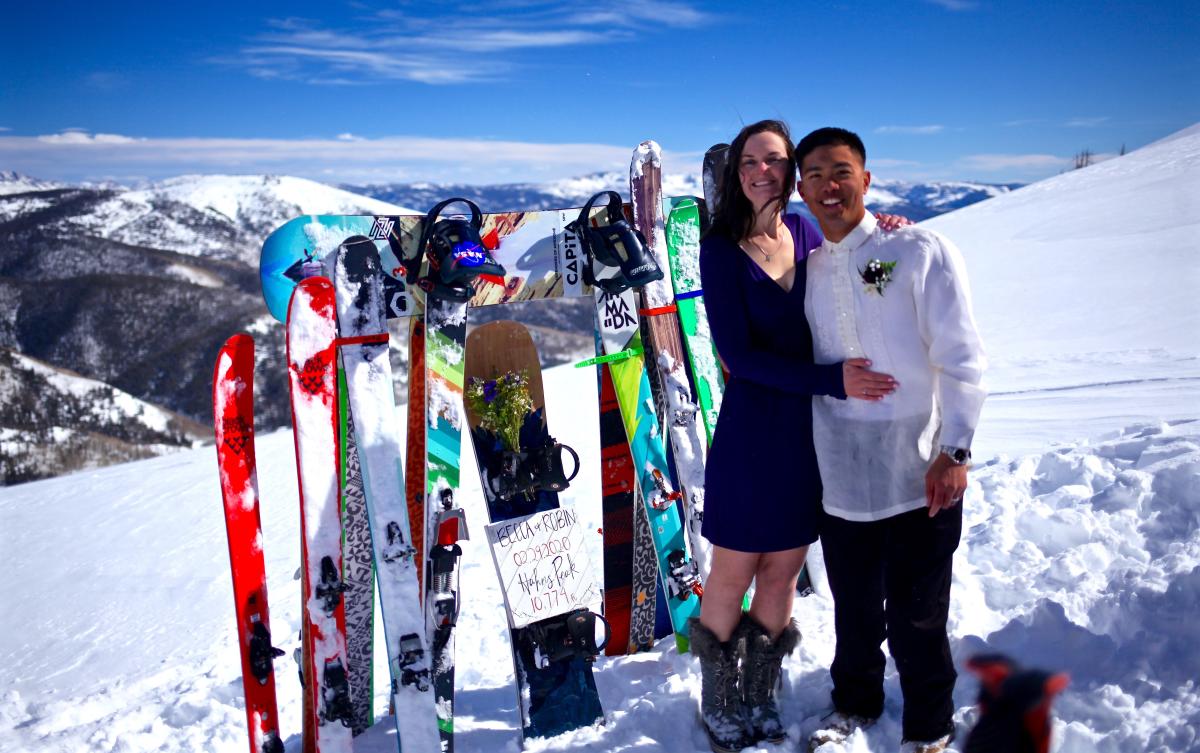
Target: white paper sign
545	567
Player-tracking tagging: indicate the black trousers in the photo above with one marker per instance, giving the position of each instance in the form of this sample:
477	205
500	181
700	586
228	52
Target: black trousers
891	579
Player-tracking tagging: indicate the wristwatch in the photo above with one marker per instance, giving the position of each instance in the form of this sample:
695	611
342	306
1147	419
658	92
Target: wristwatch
959	455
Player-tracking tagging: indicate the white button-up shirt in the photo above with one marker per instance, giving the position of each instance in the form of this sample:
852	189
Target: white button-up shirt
873	455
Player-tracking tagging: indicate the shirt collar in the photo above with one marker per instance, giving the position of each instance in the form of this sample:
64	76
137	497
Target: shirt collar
857	236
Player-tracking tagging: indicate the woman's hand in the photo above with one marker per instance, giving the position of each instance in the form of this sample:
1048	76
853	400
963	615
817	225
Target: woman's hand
863	384
890	222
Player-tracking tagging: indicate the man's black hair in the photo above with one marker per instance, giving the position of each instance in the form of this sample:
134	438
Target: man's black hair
830	136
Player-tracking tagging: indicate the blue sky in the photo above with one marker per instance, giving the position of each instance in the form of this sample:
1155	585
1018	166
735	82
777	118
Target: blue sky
483	92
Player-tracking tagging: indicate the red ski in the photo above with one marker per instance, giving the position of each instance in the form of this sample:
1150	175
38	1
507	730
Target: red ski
312	369
233	421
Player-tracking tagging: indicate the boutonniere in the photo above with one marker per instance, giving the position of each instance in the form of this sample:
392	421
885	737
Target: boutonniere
876	275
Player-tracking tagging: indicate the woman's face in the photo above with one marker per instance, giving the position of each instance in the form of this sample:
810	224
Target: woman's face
762	168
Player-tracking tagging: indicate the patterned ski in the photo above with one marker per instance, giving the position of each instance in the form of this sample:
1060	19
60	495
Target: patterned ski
666	351
358	571
364	350
233	421
556	694
312	359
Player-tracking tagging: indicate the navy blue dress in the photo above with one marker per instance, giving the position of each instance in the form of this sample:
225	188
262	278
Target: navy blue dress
762	485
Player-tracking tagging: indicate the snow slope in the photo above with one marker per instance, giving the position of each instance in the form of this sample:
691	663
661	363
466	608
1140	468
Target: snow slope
117	627
1085	289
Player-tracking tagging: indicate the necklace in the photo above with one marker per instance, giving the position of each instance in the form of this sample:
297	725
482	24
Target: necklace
766	257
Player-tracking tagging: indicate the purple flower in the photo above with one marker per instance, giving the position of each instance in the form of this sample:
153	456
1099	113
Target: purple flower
489	391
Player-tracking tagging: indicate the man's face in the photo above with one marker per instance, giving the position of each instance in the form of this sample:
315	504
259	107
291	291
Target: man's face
833	183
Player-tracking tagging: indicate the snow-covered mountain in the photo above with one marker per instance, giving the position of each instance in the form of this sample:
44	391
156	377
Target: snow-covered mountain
218	216
918	201
52	421
13	182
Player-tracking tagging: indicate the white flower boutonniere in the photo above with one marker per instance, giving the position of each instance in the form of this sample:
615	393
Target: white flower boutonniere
876	275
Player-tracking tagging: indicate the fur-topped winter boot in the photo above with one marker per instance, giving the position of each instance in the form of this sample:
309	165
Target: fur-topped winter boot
720	704
761	668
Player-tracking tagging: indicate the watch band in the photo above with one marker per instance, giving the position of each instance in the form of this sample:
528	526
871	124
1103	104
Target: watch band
959	455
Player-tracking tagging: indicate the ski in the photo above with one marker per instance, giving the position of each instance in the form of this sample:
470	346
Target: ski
233	422
683	249
619	252
666	352
358	571
455	252
312	363
541	557
713	176
365	357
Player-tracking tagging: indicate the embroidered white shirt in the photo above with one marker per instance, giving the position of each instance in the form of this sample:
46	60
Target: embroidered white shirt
873	455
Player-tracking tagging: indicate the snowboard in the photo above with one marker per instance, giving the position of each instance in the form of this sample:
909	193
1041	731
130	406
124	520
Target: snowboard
364	352
541	260
538	546
312	366
233	422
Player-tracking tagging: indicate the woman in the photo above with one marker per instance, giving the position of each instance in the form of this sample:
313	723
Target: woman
762	486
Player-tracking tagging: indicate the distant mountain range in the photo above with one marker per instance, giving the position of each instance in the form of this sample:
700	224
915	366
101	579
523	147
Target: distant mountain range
917	201
136	289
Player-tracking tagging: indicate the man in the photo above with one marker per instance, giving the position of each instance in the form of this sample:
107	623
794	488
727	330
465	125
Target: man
893	466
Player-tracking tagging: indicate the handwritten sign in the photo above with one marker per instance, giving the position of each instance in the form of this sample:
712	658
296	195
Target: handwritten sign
545	566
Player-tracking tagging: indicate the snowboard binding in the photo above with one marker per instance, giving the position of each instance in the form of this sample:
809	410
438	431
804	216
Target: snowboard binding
455	251
615	243
534	470
569	636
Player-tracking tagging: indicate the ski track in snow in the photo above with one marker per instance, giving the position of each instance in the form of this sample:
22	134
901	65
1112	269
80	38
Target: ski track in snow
1080	552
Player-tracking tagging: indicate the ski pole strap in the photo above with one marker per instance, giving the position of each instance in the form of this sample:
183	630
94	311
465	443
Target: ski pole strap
609	358
688	294
379	338
670	308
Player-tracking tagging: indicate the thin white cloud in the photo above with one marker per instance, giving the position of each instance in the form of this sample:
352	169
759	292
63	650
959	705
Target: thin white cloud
923	130
4	128
461	45
344	158
955	5
1086	122
76	137
1019	123
1002	162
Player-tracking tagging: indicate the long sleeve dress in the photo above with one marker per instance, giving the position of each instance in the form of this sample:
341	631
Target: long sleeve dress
762	485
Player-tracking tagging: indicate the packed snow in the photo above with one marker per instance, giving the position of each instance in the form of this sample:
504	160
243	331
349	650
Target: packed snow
1081	545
